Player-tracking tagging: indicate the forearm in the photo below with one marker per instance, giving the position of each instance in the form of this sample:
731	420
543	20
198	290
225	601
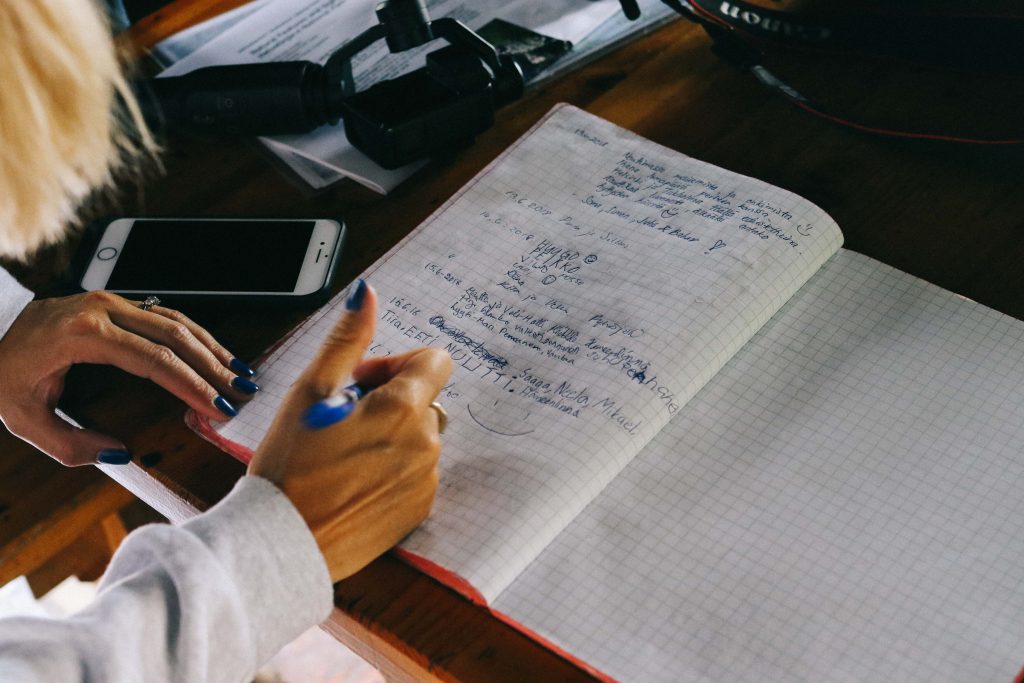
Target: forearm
208	601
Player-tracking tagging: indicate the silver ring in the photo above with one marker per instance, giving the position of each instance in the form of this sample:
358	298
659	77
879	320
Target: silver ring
442	416
149	303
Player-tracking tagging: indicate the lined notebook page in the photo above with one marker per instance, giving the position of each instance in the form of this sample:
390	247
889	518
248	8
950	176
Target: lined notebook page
586	285
842	502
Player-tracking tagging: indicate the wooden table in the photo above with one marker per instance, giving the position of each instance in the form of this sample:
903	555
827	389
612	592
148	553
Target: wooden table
946	213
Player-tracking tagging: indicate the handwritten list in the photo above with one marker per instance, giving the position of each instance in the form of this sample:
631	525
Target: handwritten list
586	284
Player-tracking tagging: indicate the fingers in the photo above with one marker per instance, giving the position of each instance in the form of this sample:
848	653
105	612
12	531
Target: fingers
205	338
375	372
345	345
417	379
162	365
190	342
423	375
65	443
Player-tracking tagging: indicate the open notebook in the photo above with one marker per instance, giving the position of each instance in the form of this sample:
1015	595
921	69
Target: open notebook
693	439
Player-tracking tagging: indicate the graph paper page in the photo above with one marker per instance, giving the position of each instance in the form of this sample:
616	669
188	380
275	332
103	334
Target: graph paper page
841	502
586	284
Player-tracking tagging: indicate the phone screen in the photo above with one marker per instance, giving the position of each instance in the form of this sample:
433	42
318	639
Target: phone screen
213	256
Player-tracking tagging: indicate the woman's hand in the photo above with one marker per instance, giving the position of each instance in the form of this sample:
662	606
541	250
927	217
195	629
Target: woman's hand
363	483
160	344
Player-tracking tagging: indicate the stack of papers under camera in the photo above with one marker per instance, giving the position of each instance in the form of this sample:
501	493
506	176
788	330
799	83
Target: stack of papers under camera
280	30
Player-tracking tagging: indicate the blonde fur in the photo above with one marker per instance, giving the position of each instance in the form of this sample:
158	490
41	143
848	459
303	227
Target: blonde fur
64	110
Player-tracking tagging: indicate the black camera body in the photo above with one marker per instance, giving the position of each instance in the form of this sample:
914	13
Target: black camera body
438	108
435	109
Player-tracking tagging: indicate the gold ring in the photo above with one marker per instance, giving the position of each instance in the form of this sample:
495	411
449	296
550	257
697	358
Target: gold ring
442	416
149	303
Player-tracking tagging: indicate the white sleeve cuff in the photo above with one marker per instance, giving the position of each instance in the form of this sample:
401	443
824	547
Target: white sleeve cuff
13	299
263	541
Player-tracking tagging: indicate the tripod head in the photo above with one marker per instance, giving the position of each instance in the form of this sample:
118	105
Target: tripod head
441	106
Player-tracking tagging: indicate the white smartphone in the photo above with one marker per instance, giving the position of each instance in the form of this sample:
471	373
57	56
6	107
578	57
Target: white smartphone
268	260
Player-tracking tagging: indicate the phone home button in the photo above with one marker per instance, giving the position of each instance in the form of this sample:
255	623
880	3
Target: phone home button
106	253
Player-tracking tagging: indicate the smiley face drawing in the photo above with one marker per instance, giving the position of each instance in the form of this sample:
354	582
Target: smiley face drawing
501	417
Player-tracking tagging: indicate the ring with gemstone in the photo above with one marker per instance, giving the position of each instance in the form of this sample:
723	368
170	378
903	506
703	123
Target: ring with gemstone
149	303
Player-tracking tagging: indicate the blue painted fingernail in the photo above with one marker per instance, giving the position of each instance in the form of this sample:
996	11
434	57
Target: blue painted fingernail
245	385
241	368
114	456
225	407
355	299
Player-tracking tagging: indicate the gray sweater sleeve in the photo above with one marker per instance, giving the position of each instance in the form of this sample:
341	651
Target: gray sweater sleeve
210	600
13	298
